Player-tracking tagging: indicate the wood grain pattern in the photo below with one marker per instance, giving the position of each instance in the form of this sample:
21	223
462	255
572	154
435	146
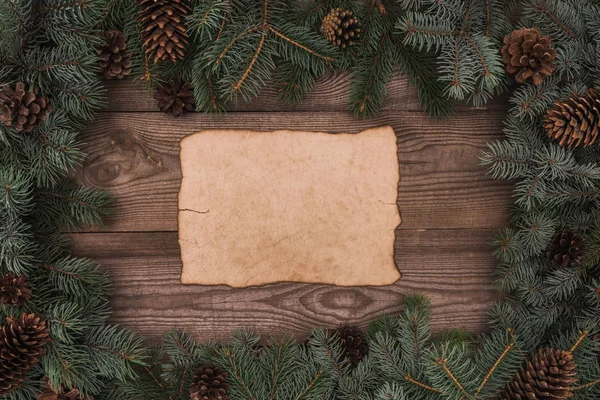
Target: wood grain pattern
136	157
450	211
330	94
453	267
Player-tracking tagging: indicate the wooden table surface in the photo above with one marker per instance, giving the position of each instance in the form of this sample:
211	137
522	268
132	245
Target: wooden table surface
450	213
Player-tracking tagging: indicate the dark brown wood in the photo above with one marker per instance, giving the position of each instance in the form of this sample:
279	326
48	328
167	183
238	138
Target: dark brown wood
453	267
136	157
450	211
330	94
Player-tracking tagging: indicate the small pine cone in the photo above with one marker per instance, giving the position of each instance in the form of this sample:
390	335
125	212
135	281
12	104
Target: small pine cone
14	290
548	375
163	28
565	249
575	121
175	98
22	343
22	108
113	56
341	28
528	56
209	383
353	343
47	392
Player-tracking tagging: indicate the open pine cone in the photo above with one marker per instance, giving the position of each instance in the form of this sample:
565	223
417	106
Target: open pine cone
353	343
114	58
575	121
163	28
528	56
209	383
341	28
22	342
175	98
22	108
548	375
14	290
565	249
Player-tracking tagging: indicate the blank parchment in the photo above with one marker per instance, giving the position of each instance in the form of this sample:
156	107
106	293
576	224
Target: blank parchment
264	207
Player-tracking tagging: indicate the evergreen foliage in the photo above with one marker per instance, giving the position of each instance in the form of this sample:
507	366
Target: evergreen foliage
238	46
449	49
51	46
556	188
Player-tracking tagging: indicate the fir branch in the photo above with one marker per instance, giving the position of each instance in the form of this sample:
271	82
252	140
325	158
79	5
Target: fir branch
300	46
232	364
587	385
582	336
443	364
410	379
499	358
237	85
541	7
229	45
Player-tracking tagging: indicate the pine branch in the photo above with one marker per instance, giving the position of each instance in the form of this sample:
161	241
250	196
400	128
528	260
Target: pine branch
587	385
542	7
410	380
582	336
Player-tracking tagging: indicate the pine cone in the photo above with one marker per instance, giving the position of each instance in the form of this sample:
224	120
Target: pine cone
22	343
175	98
528	55
575	121
14	290
114	58
22	108
548	375
163	28
341	28
353	343
48	393
565	249
209	383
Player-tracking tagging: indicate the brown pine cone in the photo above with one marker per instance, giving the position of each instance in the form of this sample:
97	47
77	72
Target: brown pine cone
14	290
548	375
48	393
114	58
575	121
341	28
22	342
353	343
175	98
22	108
163	28
209	383
565	249
528	55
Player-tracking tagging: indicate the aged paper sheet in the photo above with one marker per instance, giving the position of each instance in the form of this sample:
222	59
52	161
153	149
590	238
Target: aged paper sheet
264	207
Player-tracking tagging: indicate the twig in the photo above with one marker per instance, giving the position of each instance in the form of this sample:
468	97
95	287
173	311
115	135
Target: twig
491	371
281	35
371	74
235	39
409	378
582	335
592	383
238	84
442	363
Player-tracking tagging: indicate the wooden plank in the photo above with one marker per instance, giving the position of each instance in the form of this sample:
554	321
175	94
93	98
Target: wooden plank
136	157
331	93
452	267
